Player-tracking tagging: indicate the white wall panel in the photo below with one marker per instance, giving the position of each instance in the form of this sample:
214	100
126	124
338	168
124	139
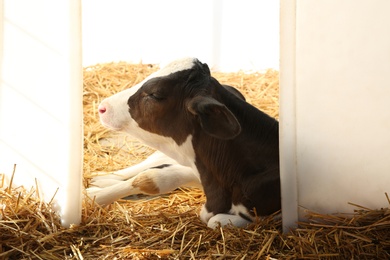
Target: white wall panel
340	97
41	100
228	35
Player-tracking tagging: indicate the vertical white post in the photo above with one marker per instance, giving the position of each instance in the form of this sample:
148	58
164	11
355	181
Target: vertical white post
72	203
288	166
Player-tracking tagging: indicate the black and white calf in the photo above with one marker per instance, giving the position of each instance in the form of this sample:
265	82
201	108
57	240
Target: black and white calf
206	135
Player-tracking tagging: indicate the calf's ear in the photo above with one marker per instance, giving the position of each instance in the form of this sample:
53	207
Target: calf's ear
215	118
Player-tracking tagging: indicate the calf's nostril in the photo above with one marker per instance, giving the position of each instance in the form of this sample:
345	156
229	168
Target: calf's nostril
102	109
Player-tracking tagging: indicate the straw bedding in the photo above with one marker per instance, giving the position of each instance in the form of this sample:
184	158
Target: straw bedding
168	226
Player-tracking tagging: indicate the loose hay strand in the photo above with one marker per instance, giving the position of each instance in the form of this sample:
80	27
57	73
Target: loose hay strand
12	179
168	226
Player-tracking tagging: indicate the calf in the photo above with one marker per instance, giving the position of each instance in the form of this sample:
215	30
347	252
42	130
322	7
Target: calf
206	135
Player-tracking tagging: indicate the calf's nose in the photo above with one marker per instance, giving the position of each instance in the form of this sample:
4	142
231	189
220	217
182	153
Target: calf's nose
102	109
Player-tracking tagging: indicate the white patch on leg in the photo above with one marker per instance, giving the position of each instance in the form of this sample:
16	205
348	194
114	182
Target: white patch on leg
152	181
233	217
205	215
107	195
226	219
166	179
240	209
103	180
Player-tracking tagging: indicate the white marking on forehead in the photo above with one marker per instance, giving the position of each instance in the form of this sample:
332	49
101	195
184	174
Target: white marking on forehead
169	68
175	66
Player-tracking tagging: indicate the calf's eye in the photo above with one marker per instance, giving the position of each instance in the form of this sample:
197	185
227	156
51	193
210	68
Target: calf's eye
156	96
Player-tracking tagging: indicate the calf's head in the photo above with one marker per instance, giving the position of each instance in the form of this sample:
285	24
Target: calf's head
170	105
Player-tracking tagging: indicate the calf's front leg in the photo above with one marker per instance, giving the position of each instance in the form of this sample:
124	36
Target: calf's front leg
154	160
156	180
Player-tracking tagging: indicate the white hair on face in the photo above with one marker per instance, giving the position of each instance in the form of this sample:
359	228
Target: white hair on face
118	116
174	66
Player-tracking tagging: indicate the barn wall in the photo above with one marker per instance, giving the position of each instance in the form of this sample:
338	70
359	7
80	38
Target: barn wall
41	100
335	105
228	35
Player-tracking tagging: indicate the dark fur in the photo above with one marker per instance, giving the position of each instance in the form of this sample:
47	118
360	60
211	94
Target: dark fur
237	157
